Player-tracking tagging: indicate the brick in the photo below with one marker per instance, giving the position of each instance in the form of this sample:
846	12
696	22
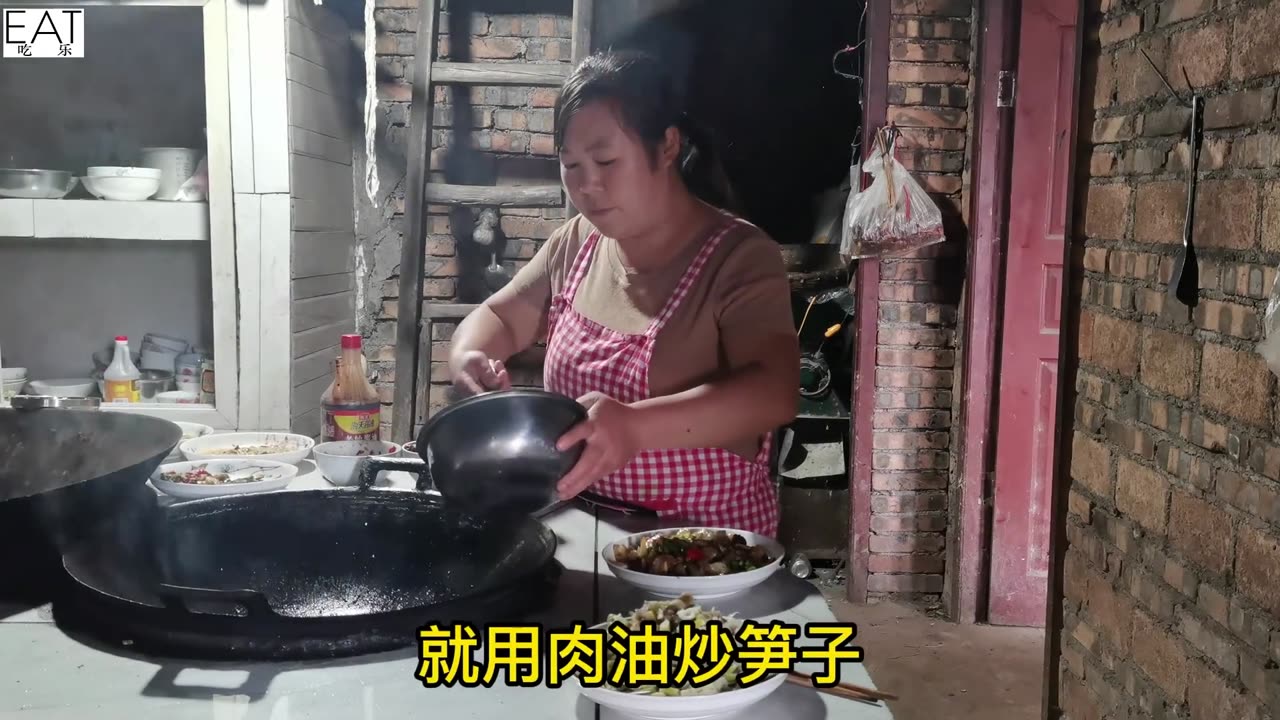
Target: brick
923	358
920	50
1106	210
911	441
542	145
1091	465
1078	702
1257	568
1228	319
1116	344
1226	213
1169	362
932	161
1079	505
1103	164
929	28
901	72
913	583
1210	696
1256	151
1235	383
914	336
1200	531
933	138
1203	52
1271	218
1250	625
913	399
1244	107
1208	641
1159	212
1175	575
1175	11
1253	50
1135	80
921	419
896	481
1119	29
1104	87
907	543
950	8
1115	129
1141	493
1112	613
883	563
1251	497
916	522
915	460
914	378
1160	656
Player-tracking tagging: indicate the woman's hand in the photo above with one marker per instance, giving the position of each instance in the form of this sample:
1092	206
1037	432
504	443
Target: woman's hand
610	435
475	373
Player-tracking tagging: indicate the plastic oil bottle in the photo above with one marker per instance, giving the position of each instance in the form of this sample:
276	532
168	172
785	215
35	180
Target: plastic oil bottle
120	379
352	410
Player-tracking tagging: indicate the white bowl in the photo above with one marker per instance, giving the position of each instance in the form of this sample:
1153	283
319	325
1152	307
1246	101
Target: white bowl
216	447
684	707
128	189
276	475
65	387
189	431
707	587
179	397
124	172
13	374
341	461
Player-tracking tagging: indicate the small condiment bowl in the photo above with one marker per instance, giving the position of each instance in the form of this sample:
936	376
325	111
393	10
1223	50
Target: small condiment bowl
341	461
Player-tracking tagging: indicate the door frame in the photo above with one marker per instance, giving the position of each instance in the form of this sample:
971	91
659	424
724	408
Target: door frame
999	25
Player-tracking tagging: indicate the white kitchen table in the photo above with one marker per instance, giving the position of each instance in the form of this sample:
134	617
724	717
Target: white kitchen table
46	674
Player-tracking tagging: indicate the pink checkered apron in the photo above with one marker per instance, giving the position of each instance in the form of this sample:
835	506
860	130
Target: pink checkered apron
703	486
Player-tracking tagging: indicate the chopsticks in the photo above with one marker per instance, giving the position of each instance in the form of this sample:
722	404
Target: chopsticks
848	691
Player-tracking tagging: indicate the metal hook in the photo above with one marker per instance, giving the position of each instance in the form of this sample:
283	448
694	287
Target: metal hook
836	57
1165	80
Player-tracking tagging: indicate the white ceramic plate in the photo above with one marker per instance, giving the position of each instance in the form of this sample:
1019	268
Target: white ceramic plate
217	447
688	707
276	476
708	587
190	431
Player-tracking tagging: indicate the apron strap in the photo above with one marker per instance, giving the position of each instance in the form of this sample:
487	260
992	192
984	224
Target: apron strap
690	275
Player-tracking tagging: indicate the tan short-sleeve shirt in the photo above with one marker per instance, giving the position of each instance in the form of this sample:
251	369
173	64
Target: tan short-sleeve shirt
740	299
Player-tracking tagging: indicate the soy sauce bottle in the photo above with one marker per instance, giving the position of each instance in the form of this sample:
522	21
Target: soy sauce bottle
352	410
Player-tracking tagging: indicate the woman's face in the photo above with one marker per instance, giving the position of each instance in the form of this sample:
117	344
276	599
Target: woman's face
610	177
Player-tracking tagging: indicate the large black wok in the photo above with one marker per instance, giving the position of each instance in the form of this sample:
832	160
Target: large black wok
67	475
310	573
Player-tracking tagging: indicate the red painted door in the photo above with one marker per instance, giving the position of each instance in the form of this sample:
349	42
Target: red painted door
1044	119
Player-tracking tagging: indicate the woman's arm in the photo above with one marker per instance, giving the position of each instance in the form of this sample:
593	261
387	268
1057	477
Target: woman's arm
502	326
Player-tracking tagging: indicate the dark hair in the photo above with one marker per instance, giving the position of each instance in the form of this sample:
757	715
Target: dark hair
648	102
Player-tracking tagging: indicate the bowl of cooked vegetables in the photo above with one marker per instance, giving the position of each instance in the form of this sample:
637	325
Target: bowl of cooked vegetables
707	563
213	478
720	695
277	447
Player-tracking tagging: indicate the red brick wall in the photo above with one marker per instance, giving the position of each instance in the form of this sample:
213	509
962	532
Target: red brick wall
916	344
1172	574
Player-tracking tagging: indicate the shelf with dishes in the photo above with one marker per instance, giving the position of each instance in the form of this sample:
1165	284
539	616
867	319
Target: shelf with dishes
129	203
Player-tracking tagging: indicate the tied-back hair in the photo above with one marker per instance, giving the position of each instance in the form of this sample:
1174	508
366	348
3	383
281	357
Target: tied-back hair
647	99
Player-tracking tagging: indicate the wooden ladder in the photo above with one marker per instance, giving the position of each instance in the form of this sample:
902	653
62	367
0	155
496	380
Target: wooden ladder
414	320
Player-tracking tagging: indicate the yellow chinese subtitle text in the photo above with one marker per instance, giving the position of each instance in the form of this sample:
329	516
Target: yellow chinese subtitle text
619	656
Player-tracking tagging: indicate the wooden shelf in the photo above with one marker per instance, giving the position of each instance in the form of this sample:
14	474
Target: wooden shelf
104	219
548	74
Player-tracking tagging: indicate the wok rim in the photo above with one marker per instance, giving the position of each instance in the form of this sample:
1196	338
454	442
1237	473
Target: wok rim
424	435
549	538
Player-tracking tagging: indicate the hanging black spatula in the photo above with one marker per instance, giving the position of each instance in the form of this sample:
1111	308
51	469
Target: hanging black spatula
1184	285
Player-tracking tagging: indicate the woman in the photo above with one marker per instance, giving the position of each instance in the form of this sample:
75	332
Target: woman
669	319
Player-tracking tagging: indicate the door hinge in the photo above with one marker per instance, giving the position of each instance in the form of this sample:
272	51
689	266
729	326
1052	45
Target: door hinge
1008	89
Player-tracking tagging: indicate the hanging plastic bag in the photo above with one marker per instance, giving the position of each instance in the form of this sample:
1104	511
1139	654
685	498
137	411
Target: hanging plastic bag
894	215
1269	347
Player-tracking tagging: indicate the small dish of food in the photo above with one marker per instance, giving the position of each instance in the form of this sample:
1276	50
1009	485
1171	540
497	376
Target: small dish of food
212	478
721	696
277	447
342	461
707	563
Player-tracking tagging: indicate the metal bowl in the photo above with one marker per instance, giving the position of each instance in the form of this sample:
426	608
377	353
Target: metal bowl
497	451
35	184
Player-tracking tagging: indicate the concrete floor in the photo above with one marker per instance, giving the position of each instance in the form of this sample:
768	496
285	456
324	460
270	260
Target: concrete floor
939	669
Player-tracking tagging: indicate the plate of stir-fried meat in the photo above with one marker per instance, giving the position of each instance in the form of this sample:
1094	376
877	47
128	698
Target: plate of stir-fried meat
703	562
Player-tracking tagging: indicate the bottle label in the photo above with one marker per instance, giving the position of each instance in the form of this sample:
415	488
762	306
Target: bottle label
122	391
360	422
